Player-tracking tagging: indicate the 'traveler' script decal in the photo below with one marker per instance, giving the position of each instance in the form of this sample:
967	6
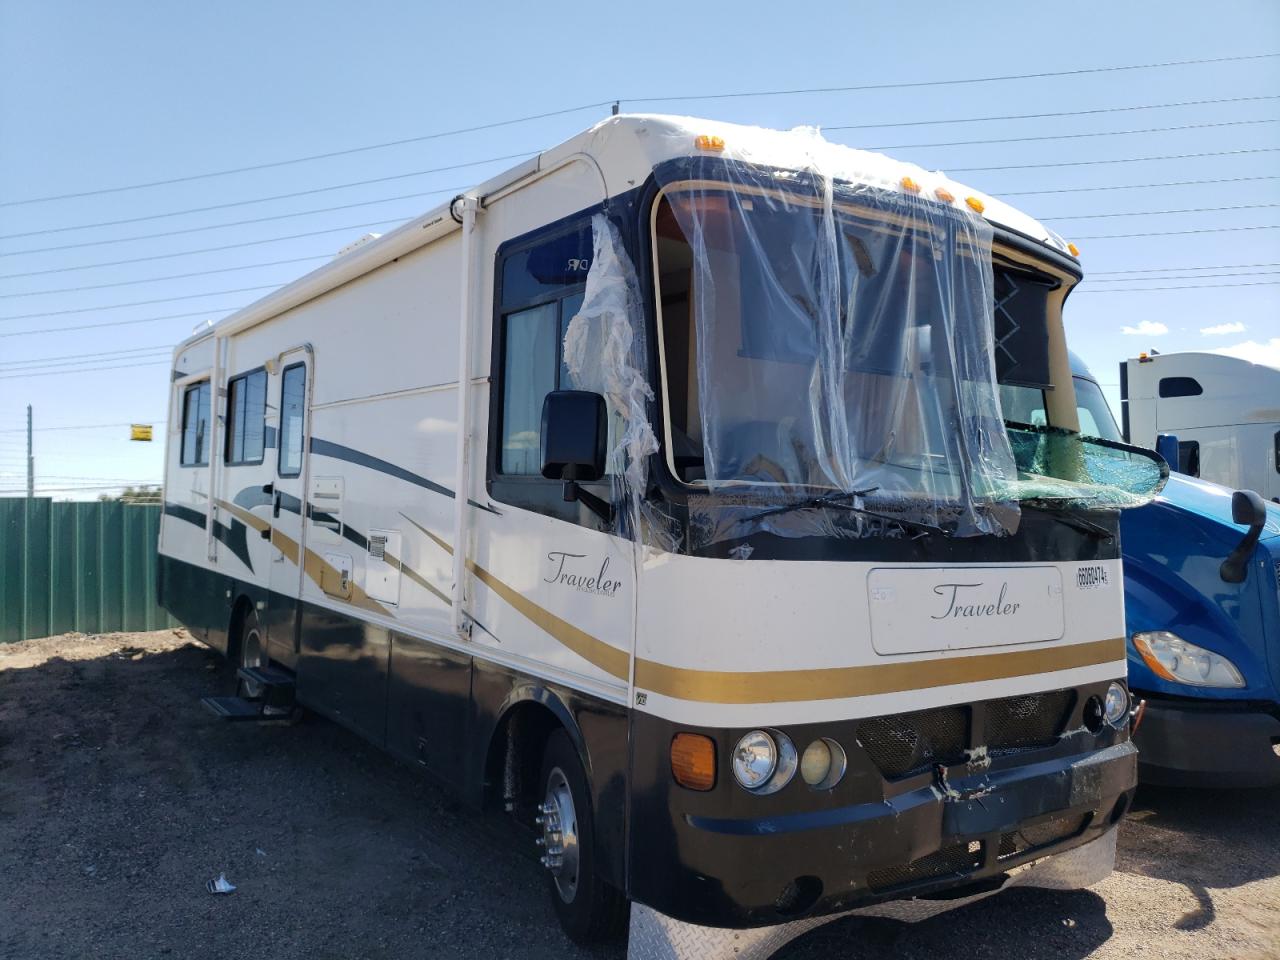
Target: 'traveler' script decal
927	609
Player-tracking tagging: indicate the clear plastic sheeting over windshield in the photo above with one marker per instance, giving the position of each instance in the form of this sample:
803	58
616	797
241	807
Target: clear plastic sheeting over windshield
844	345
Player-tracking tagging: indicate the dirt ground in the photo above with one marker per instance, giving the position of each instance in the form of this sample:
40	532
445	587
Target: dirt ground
120	797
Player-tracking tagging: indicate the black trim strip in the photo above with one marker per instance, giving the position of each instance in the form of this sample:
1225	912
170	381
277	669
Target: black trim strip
336	451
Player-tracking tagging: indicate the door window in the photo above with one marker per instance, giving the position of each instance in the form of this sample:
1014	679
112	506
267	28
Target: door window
293	408
195	425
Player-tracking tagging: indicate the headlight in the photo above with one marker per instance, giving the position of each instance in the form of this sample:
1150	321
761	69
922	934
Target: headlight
822	764
1116	706
764	761
754	759
1172	658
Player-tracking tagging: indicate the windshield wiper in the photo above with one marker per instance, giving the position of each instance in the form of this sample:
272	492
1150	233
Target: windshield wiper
826	500
1096	530
839	500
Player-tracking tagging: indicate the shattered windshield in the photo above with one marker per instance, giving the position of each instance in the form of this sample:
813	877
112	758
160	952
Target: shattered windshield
829	339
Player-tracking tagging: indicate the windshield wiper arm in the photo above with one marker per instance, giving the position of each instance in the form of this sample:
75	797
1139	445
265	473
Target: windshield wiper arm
826	500
840	501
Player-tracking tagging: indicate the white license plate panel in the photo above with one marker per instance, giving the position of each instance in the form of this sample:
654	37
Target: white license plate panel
934	609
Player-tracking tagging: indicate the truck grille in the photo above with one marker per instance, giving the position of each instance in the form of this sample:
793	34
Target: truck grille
905	743
955	860
908	743
1034	720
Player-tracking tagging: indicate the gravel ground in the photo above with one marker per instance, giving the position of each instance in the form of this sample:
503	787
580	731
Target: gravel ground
120	797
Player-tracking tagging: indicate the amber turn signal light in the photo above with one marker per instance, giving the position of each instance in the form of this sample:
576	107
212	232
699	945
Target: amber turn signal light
693	761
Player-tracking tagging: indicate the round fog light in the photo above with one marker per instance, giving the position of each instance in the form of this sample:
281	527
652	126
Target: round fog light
822	764
754	759
1116	707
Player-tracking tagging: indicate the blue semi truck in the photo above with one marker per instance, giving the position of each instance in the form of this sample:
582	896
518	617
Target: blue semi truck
1202	605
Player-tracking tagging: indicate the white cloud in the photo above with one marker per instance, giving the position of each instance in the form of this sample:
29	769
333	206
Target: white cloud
1147	328
1267	353
1223	328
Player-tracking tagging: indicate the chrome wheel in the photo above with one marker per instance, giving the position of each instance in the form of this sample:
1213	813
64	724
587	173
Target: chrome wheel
559	838
252	655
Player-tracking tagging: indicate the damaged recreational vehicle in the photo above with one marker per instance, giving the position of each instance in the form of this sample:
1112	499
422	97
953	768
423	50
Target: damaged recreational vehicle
658	490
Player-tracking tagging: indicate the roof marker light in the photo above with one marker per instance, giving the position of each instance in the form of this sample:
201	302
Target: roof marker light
943	194
707	142
1075	251
910	185
976	205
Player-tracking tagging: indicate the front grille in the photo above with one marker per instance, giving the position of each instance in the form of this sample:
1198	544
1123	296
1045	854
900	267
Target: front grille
904	743
1034	720
1041	834
955	860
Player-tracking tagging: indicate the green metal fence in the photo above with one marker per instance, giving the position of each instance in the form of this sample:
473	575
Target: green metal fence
88	567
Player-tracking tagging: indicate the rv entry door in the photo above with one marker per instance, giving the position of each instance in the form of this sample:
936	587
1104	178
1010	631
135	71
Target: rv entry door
288	506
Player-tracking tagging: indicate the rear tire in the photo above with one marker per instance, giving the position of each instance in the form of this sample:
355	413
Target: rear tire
589	909
251	652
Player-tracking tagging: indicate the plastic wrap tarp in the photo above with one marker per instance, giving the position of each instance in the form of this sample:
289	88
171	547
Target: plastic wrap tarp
844	359
605	353
845	344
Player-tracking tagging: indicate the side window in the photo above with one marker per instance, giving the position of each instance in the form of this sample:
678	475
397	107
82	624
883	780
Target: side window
293	408
1189	457
542	290
1180	387
195	425
246	418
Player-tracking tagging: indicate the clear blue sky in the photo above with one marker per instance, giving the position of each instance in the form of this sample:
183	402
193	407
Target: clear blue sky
96	95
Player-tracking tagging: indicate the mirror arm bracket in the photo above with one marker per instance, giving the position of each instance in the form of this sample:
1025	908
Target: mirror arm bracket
575	491
1246	507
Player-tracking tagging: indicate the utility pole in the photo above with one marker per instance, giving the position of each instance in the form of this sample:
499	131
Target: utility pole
31	460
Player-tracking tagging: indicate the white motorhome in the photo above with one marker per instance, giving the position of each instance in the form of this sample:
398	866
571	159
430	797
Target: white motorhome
1224	411
658	491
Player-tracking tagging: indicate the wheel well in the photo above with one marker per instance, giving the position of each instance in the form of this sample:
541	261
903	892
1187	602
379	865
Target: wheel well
514	759
239	613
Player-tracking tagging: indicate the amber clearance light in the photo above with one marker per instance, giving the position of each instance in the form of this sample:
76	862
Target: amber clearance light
693	761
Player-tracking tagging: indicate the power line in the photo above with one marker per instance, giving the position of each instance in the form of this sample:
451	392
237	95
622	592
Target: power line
1204	286
908	84
1159	213
1090	163
1074	136
172	276
121	323
84	426
56	373
315	156
1134	186
233	203
144	303
1043	116
1216	266
141	360
72	356
219	226
1177	233
229	246
1188	276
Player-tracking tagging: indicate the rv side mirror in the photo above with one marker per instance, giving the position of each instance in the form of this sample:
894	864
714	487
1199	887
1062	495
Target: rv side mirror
575	432
1247	509
1167	447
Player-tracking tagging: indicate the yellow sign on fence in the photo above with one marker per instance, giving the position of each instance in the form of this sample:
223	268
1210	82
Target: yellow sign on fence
140	431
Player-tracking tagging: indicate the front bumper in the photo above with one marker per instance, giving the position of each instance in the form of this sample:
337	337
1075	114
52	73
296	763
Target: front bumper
1216	744
954	832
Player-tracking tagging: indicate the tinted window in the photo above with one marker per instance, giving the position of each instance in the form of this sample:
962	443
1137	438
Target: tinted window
548	268
246	417
293	408
1180	387
1189	457
531	353
195	425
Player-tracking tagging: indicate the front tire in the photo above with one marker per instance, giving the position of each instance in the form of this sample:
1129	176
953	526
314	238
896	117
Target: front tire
252	653
589	909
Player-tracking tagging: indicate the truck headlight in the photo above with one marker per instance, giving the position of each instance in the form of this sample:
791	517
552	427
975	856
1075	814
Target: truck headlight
1172	658
764	761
